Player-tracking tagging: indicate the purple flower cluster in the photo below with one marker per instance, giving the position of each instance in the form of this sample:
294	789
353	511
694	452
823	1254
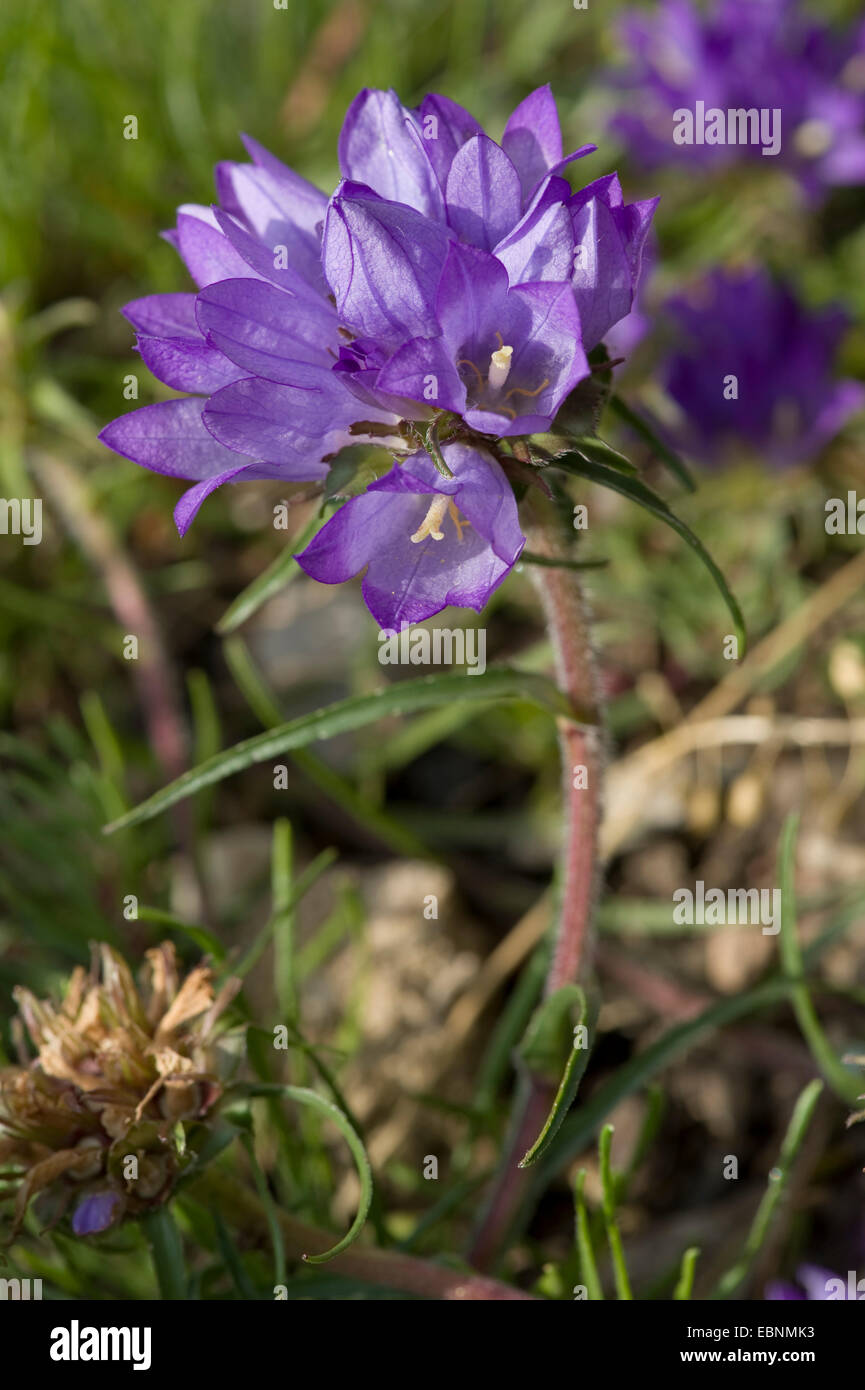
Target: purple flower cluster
450	281
739	55
753	366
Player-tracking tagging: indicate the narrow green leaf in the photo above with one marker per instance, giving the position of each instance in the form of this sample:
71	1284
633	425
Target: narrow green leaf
778	1180
598	451
311	1098
685	1287
403	697
269	1208
588	1265
280	573
231	1255
608	1202
301	886
579	1128
843	1081
637	491
646	1137
543	1049
550	1031
647	434
283	918
166	1250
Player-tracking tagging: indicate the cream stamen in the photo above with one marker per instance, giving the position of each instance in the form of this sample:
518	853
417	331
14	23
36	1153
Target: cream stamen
431	524
500	366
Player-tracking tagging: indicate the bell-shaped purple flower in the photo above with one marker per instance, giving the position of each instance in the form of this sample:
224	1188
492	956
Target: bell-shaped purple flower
425	541
743	55
504	358
754	366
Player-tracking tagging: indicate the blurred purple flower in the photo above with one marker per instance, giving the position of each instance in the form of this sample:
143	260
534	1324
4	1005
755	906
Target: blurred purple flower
740	55
752	365
815	1285
448	279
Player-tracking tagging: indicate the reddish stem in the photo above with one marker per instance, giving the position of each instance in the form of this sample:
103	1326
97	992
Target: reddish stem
582	755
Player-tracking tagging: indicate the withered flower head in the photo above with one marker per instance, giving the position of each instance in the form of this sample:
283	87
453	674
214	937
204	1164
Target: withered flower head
110	1111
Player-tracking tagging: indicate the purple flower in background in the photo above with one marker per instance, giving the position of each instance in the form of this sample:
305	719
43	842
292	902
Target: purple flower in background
739	56
450	280
815	1285
754	366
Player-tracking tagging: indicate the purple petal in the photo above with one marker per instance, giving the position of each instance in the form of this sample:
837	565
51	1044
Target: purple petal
300	201
484	496
471	293
95	1213
266	331
540	249
276	214
533	137
380	146
602	278
423	370
445	127
272	262
382	261
163	315
579	153
187	508
407	581
348	541
484	199
778	1291
186	364
846	398
815	1282
292	425
208	255
170	438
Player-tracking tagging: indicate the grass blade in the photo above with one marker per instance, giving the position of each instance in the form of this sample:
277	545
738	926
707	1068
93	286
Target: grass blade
403	697
166	1249
614	1237
685	1286
325	1107
844	1082
778	1179
588	1265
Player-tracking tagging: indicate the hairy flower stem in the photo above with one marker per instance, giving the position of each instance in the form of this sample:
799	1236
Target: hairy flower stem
582	752
242	1209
